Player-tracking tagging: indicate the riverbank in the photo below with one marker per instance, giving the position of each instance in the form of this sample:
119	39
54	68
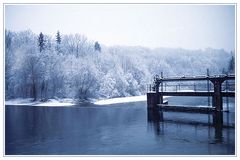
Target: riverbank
121	100
71	102
49	102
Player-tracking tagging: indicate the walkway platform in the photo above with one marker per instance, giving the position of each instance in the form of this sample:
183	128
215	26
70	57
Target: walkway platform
191	109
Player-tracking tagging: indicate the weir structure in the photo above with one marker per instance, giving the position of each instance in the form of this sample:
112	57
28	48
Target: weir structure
157	91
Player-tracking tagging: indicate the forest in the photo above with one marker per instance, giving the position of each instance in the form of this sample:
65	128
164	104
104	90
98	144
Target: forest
41	66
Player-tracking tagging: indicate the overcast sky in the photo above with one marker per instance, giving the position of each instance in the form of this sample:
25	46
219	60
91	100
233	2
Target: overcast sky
185	26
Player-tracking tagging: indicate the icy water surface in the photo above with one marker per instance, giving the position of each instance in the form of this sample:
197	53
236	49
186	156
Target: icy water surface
119	129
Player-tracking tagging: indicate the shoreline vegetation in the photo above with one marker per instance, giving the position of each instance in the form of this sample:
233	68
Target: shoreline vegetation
43	66
71	102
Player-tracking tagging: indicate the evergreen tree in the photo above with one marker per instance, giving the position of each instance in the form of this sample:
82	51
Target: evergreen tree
41	42
58	38
231	67
58	41
97	46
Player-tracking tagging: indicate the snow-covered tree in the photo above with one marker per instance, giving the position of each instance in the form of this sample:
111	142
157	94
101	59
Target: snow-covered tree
41	42
58	42
97	46
34	68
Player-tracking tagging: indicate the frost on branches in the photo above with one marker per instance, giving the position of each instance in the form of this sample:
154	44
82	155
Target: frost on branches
71	66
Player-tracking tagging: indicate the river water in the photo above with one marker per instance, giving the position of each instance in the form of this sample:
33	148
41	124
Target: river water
119	129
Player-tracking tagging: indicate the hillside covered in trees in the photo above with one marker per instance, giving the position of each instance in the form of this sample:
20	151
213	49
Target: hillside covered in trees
42	67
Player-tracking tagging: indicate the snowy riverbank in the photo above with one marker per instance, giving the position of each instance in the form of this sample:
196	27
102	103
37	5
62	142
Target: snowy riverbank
71	102
49	103
121	100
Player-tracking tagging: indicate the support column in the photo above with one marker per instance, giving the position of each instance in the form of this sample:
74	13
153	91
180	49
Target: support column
159	94
217	97
157	87
218	125
160	99
218	103
153	99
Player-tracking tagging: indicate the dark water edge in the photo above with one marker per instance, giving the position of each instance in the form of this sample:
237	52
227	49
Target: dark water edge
119	129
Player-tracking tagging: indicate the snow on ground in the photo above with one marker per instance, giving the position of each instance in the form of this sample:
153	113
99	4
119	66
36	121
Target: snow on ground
123	100
54	102
70	102
20	101
50	102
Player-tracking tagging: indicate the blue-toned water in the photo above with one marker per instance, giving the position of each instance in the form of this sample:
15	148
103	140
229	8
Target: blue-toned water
120	129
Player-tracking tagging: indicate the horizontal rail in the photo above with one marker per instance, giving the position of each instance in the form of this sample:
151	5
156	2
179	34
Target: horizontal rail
228	94
196	78
200	94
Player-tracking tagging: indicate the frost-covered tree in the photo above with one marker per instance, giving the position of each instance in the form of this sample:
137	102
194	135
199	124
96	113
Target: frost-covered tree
9	61
34	68
108	86
97	46
58	38
41	42
75	44
8	39
58	42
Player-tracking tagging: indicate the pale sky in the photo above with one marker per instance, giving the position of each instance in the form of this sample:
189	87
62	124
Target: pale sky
149	25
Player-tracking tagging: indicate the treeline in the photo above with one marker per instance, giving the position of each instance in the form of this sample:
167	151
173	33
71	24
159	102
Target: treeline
43	67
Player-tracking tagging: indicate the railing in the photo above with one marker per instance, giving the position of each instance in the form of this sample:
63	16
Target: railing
228	85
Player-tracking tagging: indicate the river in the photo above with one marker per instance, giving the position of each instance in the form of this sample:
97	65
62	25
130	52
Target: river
117	129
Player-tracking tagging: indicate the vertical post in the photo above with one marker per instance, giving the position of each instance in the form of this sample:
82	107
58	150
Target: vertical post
161	82
227	97
208	87
154	98
157	87
160	95
217	97
160	100
218	124
217	102
151	100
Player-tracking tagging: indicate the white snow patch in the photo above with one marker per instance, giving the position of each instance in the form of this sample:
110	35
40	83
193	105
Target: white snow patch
123	100
54	102
20	101
186	90
70	102
50	102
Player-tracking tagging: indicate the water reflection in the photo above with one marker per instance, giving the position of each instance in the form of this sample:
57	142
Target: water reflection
116	130
156	118
214	128
218	133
